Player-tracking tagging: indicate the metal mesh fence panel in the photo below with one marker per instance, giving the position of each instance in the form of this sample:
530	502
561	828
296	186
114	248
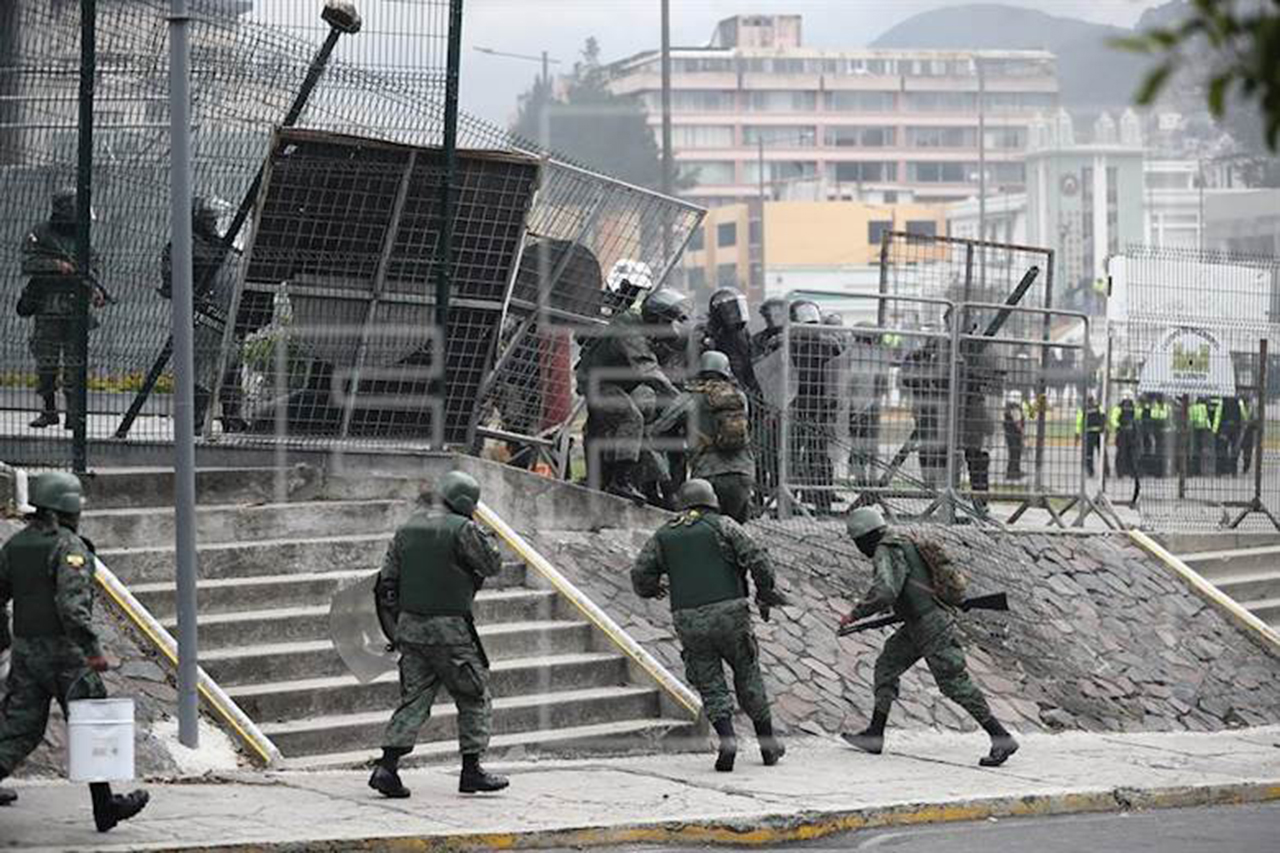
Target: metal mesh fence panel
1191	384
384	83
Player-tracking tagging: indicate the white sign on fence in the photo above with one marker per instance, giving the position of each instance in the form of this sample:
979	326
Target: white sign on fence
1188	361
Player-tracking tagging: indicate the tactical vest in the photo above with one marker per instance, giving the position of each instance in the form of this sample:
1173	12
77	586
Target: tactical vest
432	582
917	598
35	609
699	572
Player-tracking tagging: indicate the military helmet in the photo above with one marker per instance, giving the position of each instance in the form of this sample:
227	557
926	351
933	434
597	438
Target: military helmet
774	311
805	311
715	363
64	206
728	308
664	305
864	520
203	216
697	494
460	492
57	491
832	318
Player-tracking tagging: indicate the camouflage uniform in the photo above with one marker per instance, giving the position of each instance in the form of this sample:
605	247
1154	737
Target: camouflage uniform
53	633
731	472
902	582
706	556
436	563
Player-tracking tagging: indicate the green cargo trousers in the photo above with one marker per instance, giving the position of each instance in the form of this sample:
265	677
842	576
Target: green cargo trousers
423	671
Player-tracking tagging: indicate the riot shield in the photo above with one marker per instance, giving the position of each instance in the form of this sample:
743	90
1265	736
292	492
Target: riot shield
357	633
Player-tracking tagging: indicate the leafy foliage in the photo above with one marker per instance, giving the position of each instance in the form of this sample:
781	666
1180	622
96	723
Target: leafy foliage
1239	48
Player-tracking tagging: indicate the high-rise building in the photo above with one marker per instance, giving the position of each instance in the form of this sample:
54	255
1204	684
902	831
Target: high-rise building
862	124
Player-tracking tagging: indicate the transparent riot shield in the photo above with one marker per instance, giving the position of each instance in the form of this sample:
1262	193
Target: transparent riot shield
356	631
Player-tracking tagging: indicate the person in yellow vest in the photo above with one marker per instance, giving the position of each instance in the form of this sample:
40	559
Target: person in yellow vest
1089	425
1200	425
1153	429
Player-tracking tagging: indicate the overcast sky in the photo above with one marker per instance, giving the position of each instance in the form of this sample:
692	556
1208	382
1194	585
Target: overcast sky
490	85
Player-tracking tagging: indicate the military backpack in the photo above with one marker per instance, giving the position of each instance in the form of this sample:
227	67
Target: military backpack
950	582
729	428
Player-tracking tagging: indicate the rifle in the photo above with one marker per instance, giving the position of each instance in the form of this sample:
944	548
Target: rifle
996	601
993	328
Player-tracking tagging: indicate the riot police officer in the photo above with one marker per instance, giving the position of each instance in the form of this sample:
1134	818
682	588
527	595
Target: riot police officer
726	331
435	565
774	311
47	570
48	259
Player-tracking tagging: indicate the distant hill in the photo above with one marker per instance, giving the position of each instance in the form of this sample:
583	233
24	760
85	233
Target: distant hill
1091	74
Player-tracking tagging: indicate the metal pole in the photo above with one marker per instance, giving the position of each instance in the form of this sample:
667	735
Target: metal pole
444	261
784	426
184	477
1183	443
546	74
1262	422
982	175
79	369
668	159
764	285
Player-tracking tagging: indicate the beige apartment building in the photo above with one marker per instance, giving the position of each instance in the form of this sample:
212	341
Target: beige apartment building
882	126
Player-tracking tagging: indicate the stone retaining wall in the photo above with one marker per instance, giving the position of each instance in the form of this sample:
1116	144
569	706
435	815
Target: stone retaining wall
1100	637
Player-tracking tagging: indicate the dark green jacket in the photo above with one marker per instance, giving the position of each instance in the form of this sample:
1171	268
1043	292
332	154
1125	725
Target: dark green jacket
47	571
44	251
624	351
707	557
900	582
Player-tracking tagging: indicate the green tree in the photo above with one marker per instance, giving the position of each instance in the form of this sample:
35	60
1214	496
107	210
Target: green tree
1238	48
591	125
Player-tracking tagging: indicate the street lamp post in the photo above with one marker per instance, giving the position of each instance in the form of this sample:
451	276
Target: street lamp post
544	59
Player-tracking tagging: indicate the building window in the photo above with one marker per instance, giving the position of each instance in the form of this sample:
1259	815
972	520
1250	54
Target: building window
694	101
1018	101
780	170
876	229
727	275
938	173
702	172
780	136
696	277
702	136
860	102
782	102
942	137
727	234
859	171
922	227
1007	138
860	137
1008	173
697	242
939	102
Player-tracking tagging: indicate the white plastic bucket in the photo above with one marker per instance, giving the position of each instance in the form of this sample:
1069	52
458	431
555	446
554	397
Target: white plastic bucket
100	740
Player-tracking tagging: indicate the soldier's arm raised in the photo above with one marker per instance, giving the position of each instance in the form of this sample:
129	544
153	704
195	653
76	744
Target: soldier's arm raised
675	414
886	584
478	552
646	574
73	569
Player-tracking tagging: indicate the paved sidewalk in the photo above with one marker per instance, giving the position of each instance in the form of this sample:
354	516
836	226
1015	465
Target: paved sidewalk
821	787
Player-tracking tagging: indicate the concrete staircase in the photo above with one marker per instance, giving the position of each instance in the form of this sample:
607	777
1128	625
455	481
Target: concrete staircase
269	564
1245	566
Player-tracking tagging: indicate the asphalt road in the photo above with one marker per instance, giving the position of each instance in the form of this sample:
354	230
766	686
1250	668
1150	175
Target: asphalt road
1224	829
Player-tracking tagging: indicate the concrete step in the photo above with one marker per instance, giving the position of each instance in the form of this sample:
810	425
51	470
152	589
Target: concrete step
320	697
1267	609
287	661
147	527
115	488
1249	587
623	737
271	557
1196	543
292	623
232	594
530	712
1217	564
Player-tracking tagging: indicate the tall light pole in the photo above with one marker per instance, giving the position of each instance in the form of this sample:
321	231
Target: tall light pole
667	158
544	59
982	175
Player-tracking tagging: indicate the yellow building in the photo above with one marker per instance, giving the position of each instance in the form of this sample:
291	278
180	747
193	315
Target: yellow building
821	236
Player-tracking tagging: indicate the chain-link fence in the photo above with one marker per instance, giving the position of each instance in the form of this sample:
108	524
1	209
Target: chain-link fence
310	288
1191	389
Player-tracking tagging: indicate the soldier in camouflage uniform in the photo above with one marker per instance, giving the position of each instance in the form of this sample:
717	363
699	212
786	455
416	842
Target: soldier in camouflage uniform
723	460
706	558
47	570
48	258
902	583
436	563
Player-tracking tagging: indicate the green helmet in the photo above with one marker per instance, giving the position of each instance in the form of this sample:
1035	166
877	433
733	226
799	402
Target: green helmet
864	520
664	306
460	492
715	363
697	493
57	491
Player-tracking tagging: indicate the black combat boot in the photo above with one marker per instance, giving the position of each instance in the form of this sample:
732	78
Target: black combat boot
109	809
871	739
623	483
728	744
49	416
475	779
771	746
1003	744
386	775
